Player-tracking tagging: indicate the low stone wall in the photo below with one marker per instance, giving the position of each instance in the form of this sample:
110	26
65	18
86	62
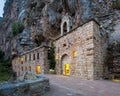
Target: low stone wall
27	88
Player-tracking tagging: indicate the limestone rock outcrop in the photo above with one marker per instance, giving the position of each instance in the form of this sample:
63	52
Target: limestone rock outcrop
42	19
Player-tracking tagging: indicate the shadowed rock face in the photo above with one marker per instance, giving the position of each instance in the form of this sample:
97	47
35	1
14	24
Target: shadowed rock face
42	18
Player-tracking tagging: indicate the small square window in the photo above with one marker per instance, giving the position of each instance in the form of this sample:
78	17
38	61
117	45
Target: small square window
56	57
22	60
64	45
74	53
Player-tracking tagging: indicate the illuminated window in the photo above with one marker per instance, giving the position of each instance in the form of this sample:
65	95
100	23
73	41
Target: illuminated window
37	55
56	57
33	56
22	60
74	53
38	69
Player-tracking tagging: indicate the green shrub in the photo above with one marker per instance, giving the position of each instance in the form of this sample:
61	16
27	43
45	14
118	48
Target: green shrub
17	28
5	70
116	4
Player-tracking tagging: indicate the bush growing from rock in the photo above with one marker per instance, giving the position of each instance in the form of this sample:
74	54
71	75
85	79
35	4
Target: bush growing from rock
17	28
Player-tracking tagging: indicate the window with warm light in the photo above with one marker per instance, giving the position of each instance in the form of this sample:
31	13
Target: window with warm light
56	57
22	60
38	69
74	53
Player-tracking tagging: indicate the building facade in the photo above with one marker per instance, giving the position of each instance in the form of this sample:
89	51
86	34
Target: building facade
34	61
79	52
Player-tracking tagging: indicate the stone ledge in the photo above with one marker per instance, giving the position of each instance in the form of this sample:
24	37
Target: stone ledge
27	88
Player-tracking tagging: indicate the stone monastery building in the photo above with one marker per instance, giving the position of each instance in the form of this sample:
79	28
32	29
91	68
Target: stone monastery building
78	52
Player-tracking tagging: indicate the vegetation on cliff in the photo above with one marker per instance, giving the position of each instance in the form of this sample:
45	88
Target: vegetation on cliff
116	4
17	28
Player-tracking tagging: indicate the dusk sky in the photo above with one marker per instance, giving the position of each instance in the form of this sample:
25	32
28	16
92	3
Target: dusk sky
1	7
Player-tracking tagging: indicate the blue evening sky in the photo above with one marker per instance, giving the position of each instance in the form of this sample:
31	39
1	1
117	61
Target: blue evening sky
1	7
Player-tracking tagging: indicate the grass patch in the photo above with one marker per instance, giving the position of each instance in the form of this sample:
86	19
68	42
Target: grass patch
51	71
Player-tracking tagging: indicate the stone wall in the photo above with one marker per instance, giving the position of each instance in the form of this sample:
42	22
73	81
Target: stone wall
29	60
99	52
85	42
28	88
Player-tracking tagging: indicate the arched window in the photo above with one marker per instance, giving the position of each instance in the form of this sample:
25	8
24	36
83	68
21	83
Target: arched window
64	28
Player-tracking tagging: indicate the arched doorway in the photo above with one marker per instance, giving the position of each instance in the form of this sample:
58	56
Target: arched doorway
65	65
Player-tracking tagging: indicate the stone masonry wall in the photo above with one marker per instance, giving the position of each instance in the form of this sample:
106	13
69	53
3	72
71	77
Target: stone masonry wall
98	52
28	88
80	40
31	59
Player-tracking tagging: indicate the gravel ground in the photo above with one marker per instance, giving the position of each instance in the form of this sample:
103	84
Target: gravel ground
73	86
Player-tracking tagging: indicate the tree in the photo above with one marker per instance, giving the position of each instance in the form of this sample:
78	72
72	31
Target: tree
51	56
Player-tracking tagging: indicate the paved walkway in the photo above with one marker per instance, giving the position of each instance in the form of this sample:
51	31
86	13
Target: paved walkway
73	86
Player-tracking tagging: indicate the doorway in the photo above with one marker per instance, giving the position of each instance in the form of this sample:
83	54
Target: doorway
65	65
38	69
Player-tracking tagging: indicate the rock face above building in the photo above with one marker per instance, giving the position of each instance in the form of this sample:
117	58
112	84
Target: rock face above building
42	19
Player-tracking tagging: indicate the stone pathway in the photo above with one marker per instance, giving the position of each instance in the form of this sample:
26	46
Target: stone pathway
73	86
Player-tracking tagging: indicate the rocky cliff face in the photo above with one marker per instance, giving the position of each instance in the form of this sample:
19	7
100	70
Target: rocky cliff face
42	19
